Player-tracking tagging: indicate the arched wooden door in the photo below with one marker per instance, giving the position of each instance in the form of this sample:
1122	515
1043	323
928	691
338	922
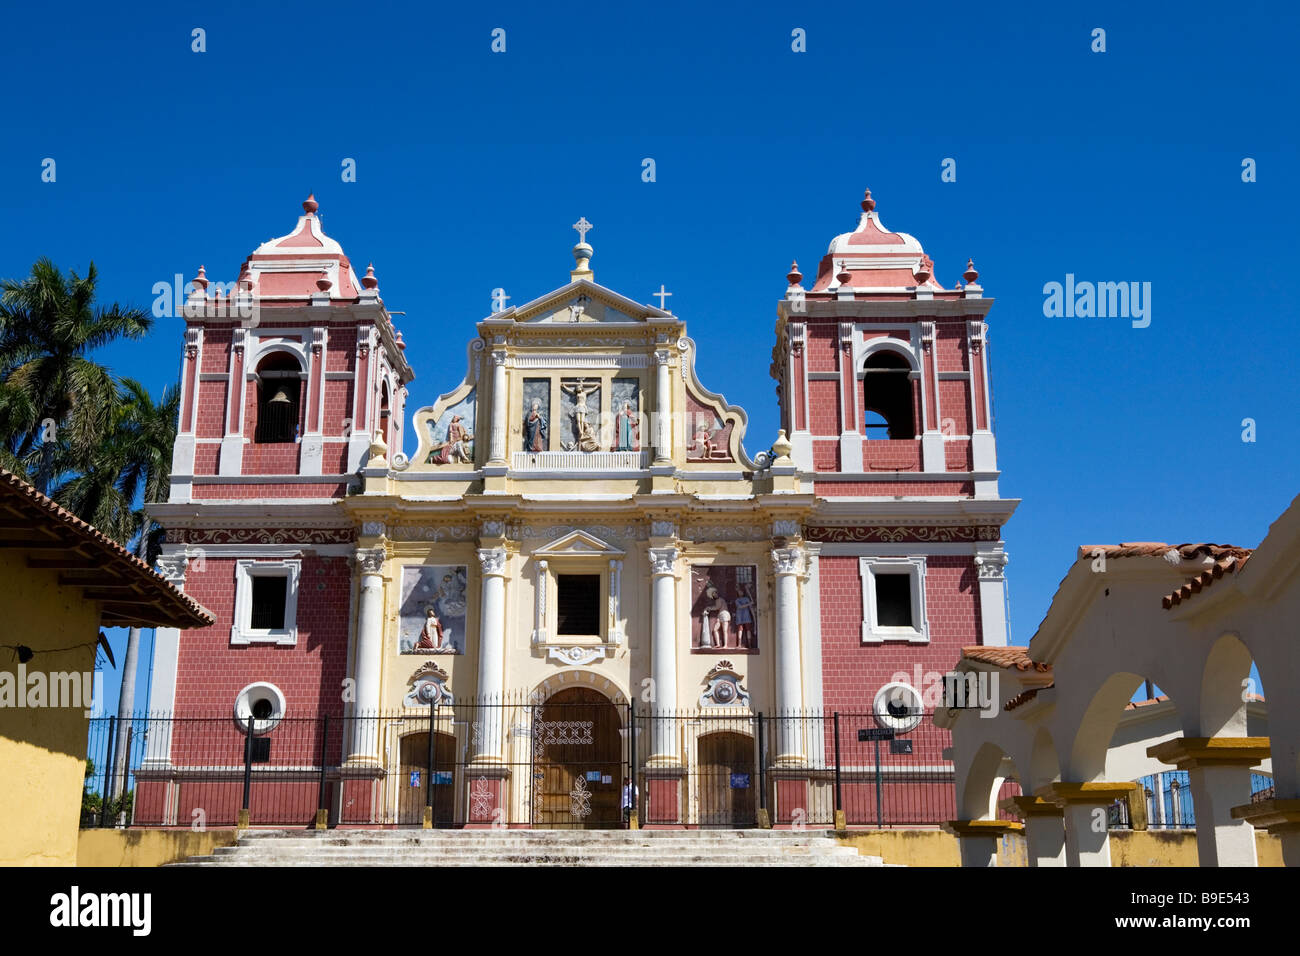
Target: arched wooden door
415	788
727	779
578	763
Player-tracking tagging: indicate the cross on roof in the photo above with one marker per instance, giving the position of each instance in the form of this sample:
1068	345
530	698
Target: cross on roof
583	228
662	293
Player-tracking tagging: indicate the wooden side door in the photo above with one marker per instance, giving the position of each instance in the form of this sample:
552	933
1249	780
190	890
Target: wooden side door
727	780
413	780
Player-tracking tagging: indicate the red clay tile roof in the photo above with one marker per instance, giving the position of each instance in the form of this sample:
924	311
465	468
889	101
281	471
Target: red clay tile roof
1017	657
1158	549
1227	564
129	592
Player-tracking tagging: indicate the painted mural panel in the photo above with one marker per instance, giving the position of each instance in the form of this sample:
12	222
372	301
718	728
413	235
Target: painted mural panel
452	435
724	608
433	609
536	428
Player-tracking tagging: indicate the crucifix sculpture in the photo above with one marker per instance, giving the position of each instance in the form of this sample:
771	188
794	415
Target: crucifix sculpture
662	294
583	228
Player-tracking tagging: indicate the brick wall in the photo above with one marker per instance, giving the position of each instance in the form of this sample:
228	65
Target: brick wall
211	671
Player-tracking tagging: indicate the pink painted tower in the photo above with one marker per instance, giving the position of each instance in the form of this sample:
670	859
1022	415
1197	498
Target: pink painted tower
882	376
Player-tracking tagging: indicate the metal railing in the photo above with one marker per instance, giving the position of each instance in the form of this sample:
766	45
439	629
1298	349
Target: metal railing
578	762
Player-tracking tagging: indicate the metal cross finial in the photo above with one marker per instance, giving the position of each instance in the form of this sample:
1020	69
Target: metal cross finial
583	228
662	293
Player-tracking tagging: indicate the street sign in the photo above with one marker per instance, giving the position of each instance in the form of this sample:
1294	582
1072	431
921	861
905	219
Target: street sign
875	733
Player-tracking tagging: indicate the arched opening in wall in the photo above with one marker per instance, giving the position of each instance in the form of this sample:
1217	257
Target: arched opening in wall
1128	714
887	385
385	416
421	785
279	398
578	763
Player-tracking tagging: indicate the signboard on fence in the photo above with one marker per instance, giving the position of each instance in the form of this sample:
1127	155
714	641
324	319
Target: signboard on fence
740	781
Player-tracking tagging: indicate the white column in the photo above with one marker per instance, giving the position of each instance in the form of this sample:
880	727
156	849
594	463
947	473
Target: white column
787	565
663	408
1087	838
492	651
993	602
1222	840
498	445
368	661
978	850
663	653
1045	839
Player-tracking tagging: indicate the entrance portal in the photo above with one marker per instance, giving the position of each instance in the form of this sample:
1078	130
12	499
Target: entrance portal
418	789
578	764
727	780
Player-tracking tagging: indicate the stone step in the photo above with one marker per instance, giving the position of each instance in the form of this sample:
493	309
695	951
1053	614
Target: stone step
547	860
534	848
433	856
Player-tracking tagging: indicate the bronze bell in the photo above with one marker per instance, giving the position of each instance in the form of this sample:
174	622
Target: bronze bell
281	397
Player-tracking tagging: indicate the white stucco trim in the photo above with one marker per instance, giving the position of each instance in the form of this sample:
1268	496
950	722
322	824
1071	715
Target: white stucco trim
242	631
912	565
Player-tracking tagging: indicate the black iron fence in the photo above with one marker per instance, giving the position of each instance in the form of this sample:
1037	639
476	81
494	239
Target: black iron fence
575	760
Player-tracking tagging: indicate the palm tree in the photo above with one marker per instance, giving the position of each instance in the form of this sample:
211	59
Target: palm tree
133	463
49	325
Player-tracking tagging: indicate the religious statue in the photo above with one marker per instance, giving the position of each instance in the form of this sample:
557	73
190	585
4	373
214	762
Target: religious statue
585	436
717	619
627	429
431	636
535	428
702	446
745	617
456	447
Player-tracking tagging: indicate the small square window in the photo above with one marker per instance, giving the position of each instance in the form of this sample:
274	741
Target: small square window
577	605
894	600
269	594
266	602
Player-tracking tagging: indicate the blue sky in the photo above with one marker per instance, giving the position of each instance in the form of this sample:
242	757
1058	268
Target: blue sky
471	166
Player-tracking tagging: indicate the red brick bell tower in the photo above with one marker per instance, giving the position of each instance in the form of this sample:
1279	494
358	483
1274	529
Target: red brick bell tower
882	375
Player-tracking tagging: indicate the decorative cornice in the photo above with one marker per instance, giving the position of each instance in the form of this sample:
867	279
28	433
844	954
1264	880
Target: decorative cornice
902	533
261	536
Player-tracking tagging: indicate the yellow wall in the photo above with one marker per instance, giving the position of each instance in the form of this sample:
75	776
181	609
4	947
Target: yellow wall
148	847
42	750
1176	848
1127	847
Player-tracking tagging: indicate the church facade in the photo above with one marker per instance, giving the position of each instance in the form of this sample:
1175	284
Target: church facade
577	547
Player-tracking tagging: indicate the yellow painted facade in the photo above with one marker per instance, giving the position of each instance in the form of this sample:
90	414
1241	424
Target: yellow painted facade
42	749
720	512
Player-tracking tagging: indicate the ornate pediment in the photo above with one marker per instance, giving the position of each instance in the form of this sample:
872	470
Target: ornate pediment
723	687
428	687
579	543
582	301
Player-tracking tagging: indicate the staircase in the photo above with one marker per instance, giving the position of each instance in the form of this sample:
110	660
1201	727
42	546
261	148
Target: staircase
534	848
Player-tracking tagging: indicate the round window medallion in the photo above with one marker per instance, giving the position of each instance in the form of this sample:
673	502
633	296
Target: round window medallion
898	708
263	703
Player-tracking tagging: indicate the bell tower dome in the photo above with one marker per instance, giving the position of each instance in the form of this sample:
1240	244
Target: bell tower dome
287	372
